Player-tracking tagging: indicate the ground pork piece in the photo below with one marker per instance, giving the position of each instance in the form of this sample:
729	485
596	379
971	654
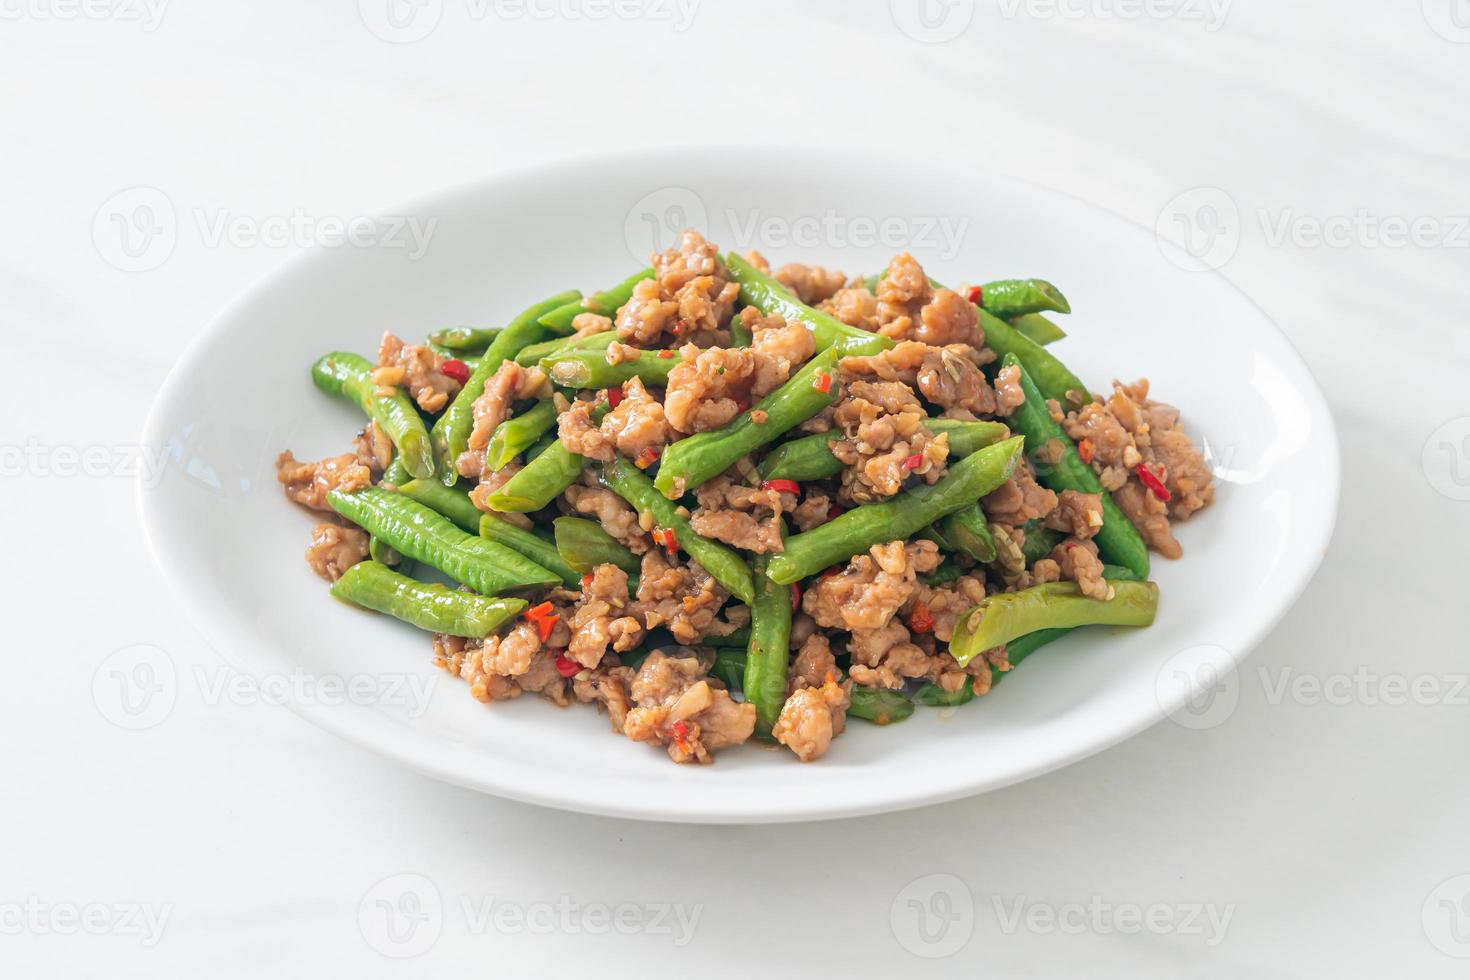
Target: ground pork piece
1078	514
599	619
739	515
1078	561
910	309
869	591
947	376
1150	515
335	548
611	512
1186	474
890	656
501	668
689	298
814	511
772	335
373	448
755	258
812	717
509	384
709	388
637	426
606	687
309	483
587	324
943	606
491	481
814	665
902	293
885	441
417	369
1101	438
677	705
812	284
648	313
680	596
856	307
576	430
1009	395
1019	499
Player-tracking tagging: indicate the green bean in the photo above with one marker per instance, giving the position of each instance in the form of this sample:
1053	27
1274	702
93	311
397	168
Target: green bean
1054	457
770	648
766	294
452	502
946	573
606	302
1017	297
1001	618
380	552
559	345
528	544
435	607
1038	329
514	435
465	338
739	333
541	445
451	434
934	696
690	462
810	457
470	361
590	368
729	666
350	376
396	474
583	545
543	478
633	485
1052	377
1023	646
857	530
967	531
424	535
879	706
1039	540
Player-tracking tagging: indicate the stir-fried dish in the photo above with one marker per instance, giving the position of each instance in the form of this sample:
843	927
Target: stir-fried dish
722	503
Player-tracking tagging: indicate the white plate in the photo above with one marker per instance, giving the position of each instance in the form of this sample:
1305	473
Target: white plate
232	546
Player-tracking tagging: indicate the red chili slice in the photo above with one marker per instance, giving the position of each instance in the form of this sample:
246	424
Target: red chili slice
1151	480
782	486
646	458
567	667
823	382
976	295
920	619
614	396
456	369
1086	450
666	354
914	461
795	597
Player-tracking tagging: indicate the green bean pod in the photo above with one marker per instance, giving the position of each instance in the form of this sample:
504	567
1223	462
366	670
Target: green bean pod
396	474
692	461
590	368
424	535
465	339
879	706
350	376
1023	646
451	502
1039	540
968	532
999	619
543	478
1052	377
857	530
529	545
470	361
767	294
633	485
1038	329
1054	457
451	434
381	552
605	302
739	334
375	586
515	435
1006	298
729	667
769	650
583	545
810	457
534	353
934	696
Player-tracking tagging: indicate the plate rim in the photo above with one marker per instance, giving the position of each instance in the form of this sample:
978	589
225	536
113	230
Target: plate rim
414	749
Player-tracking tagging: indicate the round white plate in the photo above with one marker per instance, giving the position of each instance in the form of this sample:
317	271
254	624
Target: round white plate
232	545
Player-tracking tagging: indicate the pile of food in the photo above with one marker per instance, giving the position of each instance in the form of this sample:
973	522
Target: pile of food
721	503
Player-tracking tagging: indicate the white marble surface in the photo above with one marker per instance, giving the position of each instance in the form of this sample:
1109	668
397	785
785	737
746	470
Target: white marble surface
1325	819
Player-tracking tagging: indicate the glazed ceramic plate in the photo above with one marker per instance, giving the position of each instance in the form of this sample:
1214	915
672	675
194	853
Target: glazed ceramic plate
232	545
